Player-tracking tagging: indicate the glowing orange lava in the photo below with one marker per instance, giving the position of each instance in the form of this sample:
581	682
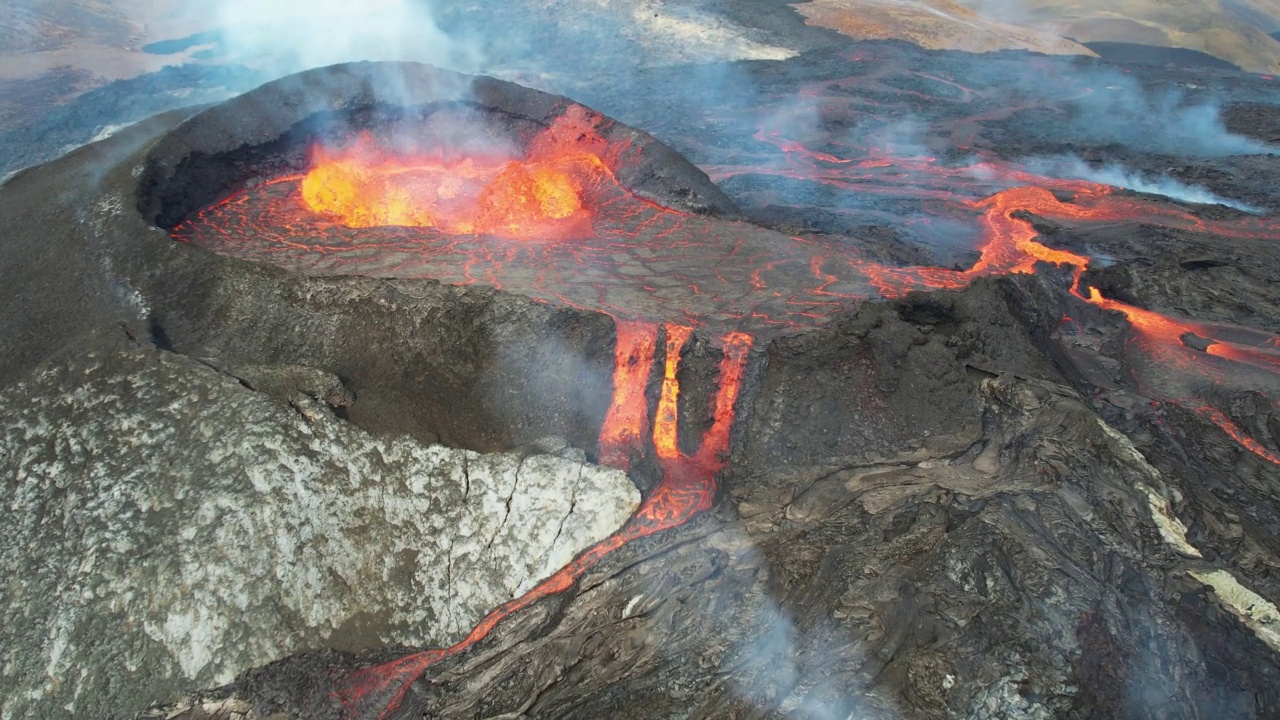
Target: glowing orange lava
687	488
1146	322
664	426
1260	357
1011	244
629	412
1219	418
542	195
715	442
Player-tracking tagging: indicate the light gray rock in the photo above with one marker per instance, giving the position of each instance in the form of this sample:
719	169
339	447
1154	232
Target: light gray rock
168	528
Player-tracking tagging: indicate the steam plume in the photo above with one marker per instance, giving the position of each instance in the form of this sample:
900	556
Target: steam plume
1070	166
292	35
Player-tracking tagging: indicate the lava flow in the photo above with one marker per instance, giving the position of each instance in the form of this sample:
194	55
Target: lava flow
470	221
1162	351
687	488
1175	368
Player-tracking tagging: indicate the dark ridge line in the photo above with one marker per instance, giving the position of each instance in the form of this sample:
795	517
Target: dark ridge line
1139	54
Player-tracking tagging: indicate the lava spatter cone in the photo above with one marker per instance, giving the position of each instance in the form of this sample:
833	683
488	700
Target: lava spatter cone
393	151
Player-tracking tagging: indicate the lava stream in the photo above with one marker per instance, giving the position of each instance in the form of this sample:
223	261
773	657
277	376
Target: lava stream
687	488
665	424
1164	341
629	412
1219	418
1012	246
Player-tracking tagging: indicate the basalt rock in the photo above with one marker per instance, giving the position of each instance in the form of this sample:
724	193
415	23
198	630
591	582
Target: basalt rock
1043	573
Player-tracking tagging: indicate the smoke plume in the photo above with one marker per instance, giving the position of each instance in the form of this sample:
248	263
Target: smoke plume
292	35
1070	166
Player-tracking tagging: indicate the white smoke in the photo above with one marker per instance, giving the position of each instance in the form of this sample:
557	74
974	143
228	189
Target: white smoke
773	672
1161	121
905	138
1070	166
287	36
781	669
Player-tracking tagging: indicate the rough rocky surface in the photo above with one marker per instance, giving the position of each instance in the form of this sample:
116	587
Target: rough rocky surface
112	39
1136	31
189	529
1043	573
1001	583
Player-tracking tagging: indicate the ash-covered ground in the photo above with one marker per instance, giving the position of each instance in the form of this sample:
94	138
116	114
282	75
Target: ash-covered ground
968	477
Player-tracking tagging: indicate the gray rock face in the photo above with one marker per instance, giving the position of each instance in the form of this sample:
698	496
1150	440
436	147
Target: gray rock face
170	528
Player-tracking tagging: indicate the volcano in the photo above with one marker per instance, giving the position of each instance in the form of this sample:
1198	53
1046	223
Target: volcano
551	221
885	472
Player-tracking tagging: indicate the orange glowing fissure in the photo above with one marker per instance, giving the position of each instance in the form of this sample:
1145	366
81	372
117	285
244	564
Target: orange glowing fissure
688	487
1219	418
537	196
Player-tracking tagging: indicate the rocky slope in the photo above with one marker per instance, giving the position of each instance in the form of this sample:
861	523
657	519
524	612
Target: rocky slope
171	527
1237	32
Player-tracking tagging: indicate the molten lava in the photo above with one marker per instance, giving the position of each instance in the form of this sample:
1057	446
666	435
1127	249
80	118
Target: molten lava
542	195
629	412
664	426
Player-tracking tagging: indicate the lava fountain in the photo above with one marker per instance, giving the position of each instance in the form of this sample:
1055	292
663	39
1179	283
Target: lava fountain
546	194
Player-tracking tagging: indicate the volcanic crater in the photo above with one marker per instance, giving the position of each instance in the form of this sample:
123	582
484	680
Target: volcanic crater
903	456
